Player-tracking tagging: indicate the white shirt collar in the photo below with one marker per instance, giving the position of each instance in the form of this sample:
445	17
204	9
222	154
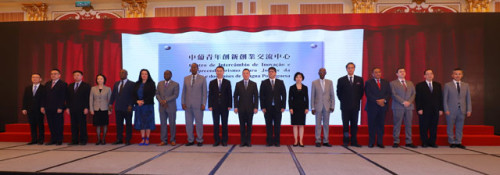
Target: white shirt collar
455	82
428	82
401	79
38	84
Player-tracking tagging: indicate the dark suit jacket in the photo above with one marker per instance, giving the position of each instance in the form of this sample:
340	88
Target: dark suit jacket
267	94
125	98
246	100
373	93
149	92
56	96
350	95
33	103
427	100
79	100
222	98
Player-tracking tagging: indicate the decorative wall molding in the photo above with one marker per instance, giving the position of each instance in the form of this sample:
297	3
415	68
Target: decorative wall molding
36	11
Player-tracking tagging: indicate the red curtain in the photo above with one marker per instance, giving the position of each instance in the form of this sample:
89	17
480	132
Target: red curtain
418	49
415	41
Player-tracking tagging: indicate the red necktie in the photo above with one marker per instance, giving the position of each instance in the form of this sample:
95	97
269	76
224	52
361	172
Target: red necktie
404	84
53	84
378	83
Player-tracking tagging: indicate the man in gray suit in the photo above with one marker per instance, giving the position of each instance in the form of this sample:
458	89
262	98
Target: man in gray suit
403	95
322	104
457	104
167	93
194	98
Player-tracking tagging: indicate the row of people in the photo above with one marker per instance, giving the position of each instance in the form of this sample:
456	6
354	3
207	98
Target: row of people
79	100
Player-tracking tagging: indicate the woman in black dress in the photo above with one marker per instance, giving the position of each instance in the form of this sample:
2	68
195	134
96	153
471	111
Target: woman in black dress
298	102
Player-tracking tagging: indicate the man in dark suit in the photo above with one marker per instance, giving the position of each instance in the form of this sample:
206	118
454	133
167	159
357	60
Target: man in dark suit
53	106
273	103
246	102
220	101
77	104
429	102
123	95
350	90
32	101
378	93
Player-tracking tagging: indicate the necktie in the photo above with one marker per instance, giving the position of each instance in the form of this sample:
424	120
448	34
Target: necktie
34	89
192	81
246	84
219	84
53	84
378	83
322	85
166	83
272	84
121	87
76	86
430	87
458	88
350	80
404	84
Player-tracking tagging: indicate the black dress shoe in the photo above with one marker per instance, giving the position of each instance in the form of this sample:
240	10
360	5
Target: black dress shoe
453	146
117	142
83	143
40	143
200	144
268	145
301	145
242	145
411	145
318	144
98	142
103	142
190	144
277	145
295	145
424	145
50	143
370	146
395	145
249	145
127	143
224	144
73	143
327	144
380	146
59	143
460	146
356	145
216	144
31	143
433	145
345	144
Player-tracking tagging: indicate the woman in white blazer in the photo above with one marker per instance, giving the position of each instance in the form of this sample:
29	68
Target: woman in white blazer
99	100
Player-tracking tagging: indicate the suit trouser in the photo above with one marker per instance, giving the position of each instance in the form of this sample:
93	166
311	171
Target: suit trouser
455	119
350	116
245	126
35	118
376	119
78	127
273	123
56	125
428	123
194	114
220	114
164	116
398	116
322	115
120	117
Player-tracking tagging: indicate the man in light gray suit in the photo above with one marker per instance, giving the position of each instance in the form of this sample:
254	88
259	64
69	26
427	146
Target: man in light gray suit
403	95
322	104
167	93
194	99
457	104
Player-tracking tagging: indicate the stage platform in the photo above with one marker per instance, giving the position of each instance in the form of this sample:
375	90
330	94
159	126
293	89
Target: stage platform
477	135
19	158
